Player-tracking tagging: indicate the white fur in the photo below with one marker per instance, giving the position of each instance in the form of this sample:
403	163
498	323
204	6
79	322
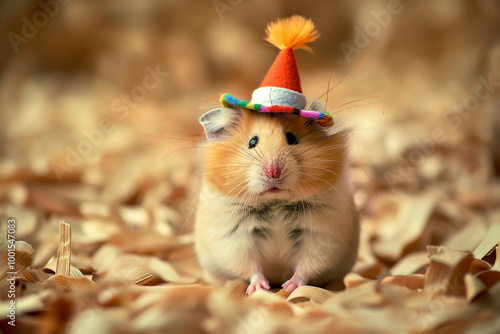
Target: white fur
330	239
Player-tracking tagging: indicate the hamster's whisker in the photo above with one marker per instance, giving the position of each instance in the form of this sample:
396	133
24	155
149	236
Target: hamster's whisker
313	146
238	153
233	164
245	152
326	149
310	136
320	153
320	168
233	188
232	199
224	210
335	188
319	195
258	146
347	108
246	199
317	159
246	161
182	227
239	149
308	198
304	208
261	154
297	147
246	139
242	204
245	196
241	165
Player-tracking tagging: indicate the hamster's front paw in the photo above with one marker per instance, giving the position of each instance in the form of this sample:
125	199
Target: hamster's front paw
257	282
298	279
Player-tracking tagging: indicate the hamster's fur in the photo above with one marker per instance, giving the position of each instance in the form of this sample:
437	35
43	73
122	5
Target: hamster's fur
279	212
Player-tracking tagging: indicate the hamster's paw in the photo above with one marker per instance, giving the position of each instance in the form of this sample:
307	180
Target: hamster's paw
298	279
291	285
263	285
258	282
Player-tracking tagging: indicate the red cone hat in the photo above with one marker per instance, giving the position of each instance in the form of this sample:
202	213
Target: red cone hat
280	91
281	85
284	72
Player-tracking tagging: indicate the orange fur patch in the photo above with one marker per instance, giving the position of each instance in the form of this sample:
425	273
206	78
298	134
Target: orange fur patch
323	164
319	157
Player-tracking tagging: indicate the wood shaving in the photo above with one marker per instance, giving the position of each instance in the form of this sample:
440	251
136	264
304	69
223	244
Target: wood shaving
425	174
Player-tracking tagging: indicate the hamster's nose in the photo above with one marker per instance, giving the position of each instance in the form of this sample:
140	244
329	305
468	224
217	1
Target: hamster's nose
273	170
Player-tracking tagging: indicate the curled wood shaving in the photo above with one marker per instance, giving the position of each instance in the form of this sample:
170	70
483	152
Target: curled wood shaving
73	283
44	253
51	267
137	218
489	242
66	276
310	292
372	270
139	276
95	321
489	278
352	280
473	287
478	266
144	243
93	209
408	225
28	219
167	272
469	236
105	257
23	258
446	270
410	263
412	282
496	266
28	275
30	303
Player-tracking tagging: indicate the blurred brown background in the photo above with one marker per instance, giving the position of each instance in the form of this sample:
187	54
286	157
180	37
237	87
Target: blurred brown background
80	102
99	108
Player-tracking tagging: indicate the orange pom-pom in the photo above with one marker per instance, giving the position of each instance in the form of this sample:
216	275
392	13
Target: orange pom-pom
293	32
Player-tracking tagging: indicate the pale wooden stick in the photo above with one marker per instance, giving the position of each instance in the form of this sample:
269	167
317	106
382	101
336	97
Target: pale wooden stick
64	251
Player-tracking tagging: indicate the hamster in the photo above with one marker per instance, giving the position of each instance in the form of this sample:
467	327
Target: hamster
275	206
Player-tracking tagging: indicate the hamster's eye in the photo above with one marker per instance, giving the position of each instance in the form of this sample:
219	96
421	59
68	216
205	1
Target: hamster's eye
291	139
253	142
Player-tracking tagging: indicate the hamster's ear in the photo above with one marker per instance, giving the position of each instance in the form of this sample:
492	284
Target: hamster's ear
317	106
215	123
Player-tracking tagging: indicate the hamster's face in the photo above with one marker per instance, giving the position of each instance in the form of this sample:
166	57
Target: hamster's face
260	157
